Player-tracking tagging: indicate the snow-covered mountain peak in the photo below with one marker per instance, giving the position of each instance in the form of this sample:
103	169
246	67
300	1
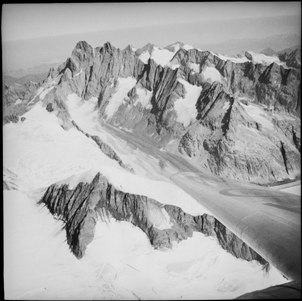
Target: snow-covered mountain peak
135	152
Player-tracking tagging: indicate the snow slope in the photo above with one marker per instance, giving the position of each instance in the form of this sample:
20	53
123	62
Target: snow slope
124	85
144	97
160	56
120	262
257	114
260	58
194	67
185	107
232	59
211	74
41	153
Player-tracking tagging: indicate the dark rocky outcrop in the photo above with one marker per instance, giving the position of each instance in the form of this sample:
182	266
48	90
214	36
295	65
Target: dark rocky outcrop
15	98
79	207
292	57
49	107
10	118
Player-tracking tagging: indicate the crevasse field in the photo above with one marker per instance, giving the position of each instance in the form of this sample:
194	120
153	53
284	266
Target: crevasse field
120	262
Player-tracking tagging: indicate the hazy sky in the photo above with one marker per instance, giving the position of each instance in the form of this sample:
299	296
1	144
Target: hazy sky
35	34
25	21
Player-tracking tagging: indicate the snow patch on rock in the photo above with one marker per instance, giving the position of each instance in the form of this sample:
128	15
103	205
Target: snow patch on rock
124	85
144	97
258	115
187	47
194	67
260	58
237	60
186	107
162	56
144	57
45	92
211	74
158	216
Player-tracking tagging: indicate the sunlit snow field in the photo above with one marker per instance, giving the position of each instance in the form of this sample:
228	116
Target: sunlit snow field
120	262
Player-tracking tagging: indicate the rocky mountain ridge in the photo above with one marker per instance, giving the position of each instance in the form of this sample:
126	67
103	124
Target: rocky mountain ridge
213	105
81	207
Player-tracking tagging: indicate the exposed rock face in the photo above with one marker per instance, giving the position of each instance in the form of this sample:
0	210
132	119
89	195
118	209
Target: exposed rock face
241	102
16	98
227	141
79	207
49	107
292	57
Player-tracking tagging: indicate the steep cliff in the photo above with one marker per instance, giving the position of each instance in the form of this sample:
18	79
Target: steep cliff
238	117
79	208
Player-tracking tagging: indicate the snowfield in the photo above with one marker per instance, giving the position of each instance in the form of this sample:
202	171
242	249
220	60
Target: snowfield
186	107
144	98
160	56
260	58
194	67
211	74
232	59
120	263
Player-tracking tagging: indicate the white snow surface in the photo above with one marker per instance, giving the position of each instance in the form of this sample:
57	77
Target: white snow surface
211	74
185	107
124	85
233	59
260	58
144	97
45	92
144	57
258	115
120	263
187	47
160	56
41	153
294	190
194	67
158	217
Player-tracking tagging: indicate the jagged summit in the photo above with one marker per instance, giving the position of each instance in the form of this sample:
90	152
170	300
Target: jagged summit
124	146
203	100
